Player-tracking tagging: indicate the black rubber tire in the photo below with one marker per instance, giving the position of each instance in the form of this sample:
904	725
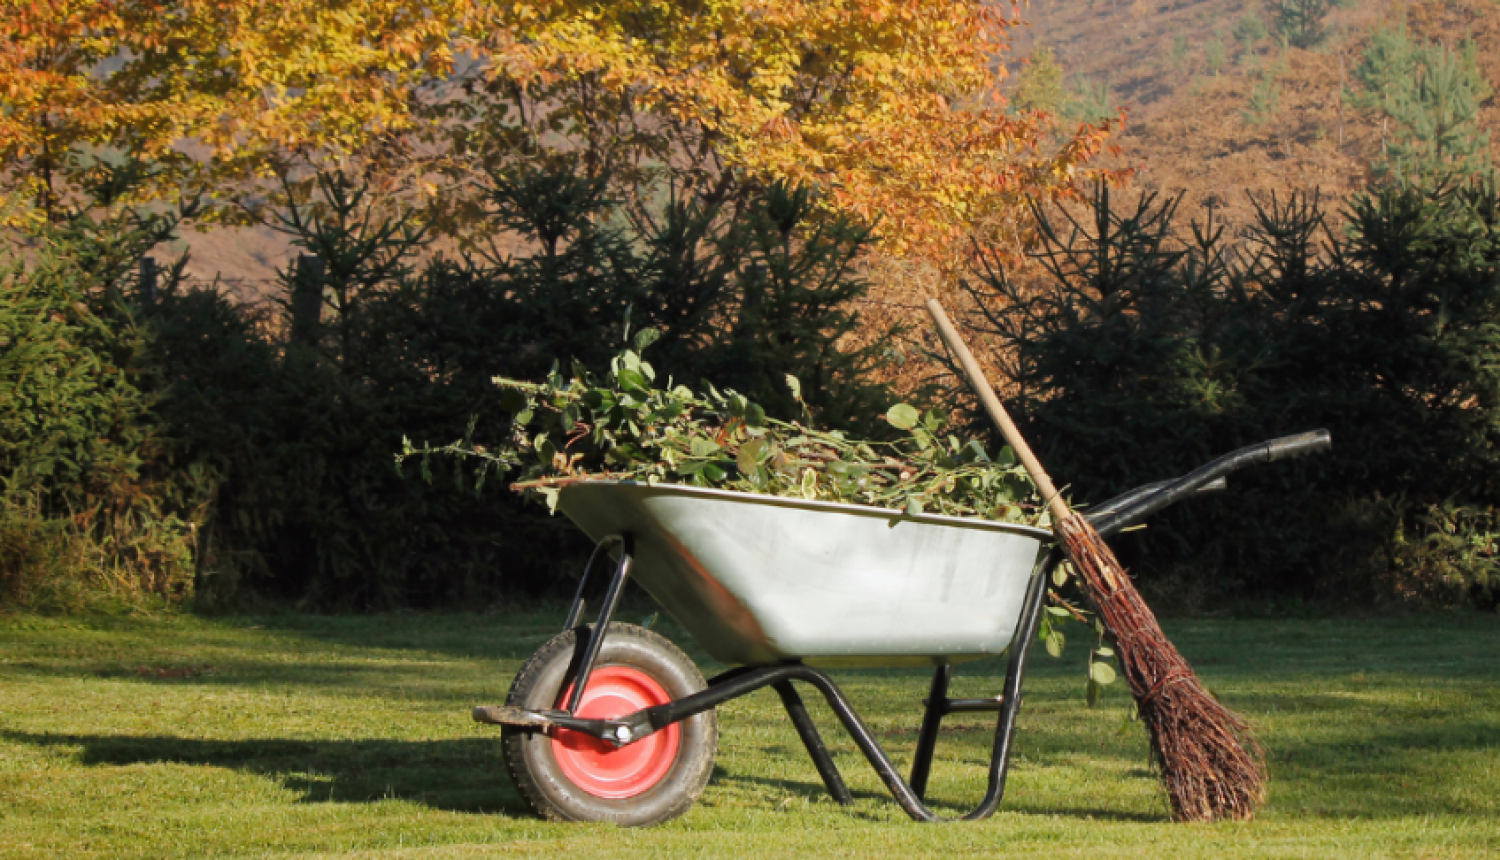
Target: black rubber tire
528	752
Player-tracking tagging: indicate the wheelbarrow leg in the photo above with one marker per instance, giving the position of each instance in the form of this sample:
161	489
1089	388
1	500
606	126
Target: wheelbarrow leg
606	611
813	741
932	720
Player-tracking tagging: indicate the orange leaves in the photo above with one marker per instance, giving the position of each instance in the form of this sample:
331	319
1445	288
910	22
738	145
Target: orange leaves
255	81
878	101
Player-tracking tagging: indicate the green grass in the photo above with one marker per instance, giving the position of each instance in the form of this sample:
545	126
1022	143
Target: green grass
350	737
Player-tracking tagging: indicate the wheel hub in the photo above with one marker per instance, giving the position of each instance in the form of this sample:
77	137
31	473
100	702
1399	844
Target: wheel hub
597	766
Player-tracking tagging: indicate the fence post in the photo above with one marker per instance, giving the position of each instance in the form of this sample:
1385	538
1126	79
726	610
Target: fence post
307	299
146	287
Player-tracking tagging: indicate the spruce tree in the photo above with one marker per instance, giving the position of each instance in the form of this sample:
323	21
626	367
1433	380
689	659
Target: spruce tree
1433	94
1039	84
1300	22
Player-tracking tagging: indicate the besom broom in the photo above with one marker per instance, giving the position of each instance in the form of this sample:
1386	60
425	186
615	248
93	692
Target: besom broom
1210	763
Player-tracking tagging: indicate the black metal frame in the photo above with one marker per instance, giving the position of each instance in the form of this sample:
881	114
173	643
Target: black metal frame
1109	518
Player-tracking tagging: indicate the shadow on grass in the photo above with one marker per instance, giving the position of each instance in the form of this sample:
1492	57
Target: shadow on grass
414	682
509	635
452	775
946	807
466	776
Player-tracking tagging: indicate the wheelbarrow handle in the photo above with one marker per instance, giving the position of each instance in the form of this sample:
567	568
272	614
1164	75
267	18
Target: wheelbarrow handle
1299	445
1098	512
1138	504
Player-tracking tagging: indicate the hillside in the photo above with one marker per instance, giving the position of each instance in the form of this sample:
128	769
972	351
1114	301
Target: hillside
1193	130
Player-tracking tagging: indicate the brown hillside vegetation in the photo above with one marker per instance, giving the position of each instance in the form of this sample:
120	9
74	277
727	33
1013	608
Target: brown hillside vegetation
1189	129
1192	132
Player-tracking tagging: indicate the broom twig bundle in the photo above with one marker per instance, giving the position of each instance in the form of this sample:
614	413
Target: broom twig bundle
1211	765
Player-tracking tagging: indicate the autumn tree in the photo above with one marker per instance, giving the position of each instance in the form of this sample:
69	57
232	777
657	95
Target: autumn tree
207	91
888	106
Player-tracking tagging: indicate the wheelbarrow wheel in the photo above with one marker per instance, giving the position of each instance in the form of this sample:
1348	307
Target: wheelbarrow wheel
569	776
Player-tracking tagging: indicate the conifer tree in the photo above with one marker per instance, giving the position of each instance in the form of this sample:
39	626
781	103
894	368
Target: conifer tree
1300	22
1249	31
1433	94
1040	83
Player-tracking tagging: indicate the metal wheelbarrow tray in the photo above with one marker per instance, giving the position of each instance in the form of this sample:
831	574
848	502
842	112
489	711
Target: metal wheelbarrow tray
762	579
610	722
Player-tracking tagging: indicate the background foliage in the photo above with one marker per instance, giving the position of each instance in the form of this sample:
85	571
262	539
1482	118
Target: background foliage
887	107
189	436
1432	92
588	174
90	501
1139	357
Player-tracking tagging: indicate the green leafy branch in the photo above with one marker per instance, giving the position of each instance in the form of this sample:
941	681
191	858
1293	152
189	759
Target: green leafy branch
578	426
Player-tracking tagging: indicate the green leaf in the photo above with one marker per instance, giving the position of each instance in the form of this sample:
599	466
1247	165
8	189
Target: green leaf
913	506
903	416
550	494
644	338
1060	575
795	386
512	400
701	447
1055	643
1059	612
1091	692
544	448
1101	672
633	381
749	455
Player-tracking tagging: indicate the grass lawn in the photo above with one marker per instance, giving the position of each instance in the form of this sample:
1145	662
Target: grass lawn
350	737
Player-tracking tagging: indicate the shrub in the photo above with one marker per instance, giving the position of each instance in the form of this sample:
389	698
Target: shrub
147	445
302	431
1139	358
89	500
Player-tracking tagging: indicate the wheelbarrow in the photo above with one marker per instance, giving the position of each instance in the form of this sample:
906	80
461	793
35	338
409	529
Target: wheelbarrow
612	722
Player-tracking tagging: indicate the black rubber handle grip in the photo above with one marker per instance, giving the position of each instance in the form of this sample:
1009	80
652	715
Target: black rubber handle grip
1302	444
1142	502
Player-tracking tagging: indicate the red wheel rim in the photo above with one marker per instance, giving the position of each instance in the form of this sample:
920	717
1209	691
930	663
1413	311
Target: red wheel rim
598	767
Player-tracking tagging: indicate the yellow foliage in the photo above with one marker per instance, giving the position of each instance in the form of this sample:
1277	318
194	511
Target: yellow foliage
888	105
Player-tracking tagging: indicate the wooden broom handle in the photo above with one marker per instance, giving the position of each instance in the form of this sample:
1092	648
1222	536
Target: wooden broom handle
986	394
